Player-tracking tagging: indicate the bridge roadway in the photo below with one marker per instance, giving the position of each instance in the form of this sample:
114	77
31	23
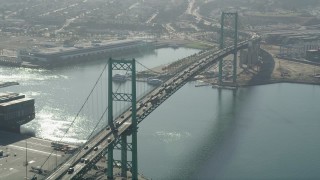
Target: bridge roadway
145	106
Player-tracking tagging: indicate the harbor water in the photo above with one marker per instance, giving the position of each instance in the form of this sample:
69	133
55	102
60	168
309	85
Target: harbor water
262	132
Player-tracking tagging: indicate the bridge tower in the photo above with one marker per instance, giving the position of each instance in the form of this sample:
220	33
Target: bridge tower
128	65
225	16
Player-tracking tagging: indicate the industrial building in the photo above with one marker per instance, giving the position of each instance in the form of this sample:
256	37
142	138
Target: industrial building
15	110
66	55
313	55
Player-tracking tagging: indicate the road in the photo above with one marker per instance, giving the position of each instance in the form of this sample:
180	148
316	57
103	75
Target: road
154	15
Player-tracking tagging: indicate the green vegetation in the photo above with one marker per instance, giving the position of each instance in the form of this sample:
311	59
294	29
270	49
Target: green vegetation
197	45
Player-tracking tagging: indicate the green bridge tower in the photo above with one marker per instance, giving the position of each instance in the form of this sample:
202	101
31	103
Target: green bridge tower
224	17
128	65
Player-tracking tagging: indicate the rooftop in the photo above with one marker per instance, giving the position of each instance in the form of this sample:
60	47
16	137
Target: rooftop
87	45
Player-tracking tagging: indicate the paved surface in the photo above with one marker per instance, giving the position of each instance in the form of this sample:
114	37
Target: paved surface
289	70
13	161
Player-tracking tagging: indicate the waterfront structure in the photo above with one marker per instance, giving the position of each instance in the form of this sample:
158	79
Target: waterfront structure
154	82
313	55
56	56
250	56
297	51
15	110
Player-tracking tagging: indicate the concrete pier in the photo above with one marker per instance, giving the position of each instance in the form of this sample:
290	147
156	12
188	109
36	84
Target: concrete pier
13	160
15	155
7	84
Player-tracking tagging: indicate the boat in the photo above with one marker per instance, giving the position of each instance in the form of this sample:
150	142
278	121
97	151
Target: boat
154	82
15	110
119	78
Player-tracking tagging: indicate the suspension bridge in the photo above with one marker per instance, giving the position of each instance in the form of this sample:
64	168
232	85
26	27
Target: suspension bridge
128	103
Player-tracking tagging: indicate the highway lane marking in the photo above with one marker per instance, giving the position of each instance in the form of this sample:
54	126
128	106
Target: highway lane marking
43	152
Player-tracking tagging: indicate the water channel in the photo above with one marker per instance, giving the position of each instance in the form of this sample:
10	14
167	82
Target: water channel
262	132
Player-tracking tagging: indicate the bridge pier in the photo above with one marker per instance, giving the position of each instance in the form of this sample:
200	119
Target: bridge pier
250	57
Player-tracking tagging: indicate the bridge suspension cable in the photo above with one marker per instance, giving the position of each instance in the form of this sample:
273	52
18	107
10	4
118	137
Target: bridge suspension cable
77	115
147	68
95	128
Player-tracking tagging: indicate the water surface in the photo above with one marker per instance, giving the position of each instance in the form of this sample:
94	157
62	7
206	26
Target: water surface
263	132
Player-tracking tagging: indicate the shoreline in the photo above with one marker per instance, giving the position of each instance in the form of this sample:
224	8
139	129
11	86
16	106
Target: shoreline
263	77
157	45
271	73
279	82
8	84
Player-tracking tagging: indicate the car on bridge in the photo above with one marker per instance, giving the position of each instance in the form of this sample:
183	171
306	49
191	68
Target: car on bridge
84	160
70	170
109	140
37	169
118	123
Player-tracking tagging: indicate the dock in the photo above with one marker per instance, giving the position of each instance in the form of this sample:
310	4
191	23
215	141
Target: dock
229	87
7	84
14	157
19	162
201	85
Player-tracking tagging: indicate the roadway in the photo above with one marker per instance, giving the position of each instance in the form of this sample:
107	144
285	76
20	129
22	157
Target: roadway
14	158
98	144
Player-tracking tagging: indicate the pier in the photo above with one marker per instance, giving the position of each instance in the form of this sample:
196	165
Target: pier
23	155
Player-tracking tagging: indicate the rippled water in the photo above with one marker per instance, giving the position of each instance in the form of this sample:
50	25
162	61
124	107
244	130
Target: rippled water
263	132
59	93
